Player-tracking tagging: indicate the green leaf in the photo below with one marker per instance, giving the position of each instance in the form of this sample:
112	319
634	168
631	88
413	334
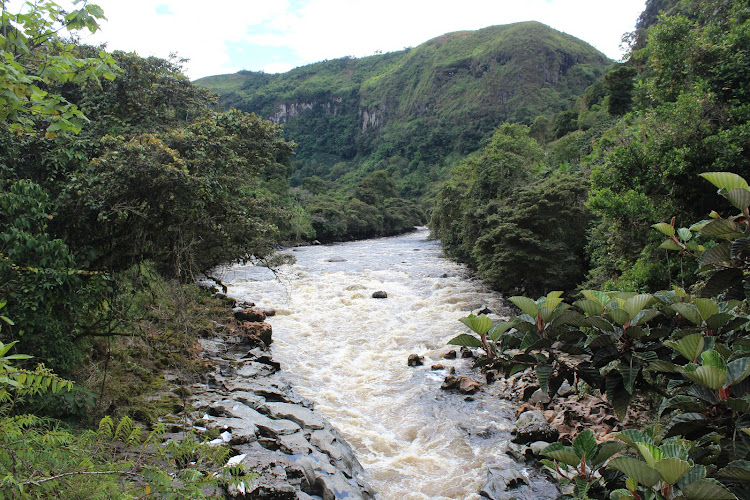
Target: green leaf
602	298
465	340
664	228
738	370
685	424
526	305
670	244
738	470
720	228
645	316
706	307
543	373
740	405
564	454
585	445
739	197
617	396
635	304
725	180
606	451
684	233
689	312
619	316
708	376
718	320
717	254
690	346
721	281
589	307
636	469
629	375
529	340
672	469
649	452
572	318
707	489
480	324
673	450
713	358
599	323
499	329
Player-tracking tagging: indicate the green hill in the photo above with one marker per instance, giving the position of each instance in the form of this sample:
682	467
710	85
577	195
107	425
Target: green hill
415	112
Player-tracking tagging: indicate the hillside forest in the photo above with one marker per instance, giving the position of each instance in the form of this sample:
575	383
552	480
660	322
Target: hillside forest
535	160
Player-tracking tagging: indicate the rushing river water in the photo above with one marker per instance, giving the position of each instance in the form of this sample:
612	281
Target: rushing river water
348	352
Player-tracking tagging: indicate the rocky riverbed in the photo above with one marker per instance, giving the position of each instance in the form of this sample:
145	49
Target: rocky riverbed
296	453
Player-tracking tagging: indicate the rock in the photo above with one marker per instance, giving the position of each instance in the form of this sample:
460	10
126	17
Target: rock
484	310
500	481
537	446
437	366
315	242
379	295
255	333
565	389
539	397
466	353
250	314
269	312
492	376
450	354
532	426
304	417
336	259
415	360
462	384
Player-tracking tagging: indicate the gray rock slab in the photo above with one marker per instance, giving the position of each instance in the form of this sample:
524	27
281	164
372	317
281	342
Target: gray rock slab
305	417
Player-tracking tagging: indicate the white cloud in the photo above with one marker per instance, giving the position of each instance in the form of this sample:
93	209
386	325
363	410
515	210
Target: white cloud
326	29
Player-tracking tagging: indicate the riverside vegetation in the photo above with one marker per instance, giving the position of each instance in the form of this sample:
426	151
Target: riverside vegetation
540	163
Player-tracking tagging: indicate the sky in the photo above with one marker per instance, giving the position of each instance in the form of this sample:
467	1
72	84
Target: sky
225	36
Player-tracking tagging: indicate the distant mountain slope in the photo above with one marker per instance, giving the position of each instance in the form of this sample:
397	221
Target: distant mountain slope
415	110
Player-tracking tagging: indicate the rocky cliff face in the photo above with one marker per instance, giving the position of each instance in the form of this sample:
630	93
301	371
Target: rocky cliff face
286	111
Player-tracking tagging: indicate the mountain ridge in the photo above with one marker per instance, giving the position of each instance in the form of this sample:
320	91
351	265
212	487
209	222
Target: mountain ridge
419	108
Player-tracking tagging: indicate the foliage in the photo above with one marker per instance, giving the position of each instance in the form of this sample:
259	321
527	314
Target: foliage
581	463
115	461
34	58
49	296
690	350
501	214
689	115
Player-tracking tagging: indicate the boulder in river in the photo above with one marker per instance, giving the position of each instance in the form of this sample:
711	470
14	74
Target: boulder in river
462	384
500	481
379	295
415	360
250	314
255	333
531	426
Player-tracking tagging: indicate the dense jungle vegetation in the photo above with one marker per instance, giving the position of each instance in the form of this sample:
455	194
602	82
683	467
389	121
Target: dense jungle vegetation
661	317
121	182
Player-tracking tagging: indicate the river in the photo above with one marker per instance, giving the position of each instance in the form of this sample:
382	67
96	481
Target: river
348	353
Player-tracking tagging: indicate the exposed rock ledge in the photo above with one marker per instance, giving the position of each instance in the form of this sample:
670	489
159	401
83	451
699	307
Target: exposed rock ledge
295	451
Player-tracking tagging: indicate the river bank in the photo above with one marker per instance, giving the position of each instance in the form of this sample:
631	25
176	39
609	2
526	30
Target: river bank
273	432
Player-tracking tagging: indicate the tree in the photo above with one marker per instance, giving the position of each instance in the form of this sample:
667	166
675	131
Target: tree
34	57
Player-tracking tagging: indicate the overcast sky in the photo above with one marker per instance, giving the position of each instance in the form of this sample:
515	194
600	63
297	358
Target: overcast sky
225	36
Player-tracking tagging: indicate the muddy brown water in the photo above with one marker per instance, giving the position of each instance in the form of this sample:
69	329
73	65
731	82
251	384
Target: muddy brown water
348	353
